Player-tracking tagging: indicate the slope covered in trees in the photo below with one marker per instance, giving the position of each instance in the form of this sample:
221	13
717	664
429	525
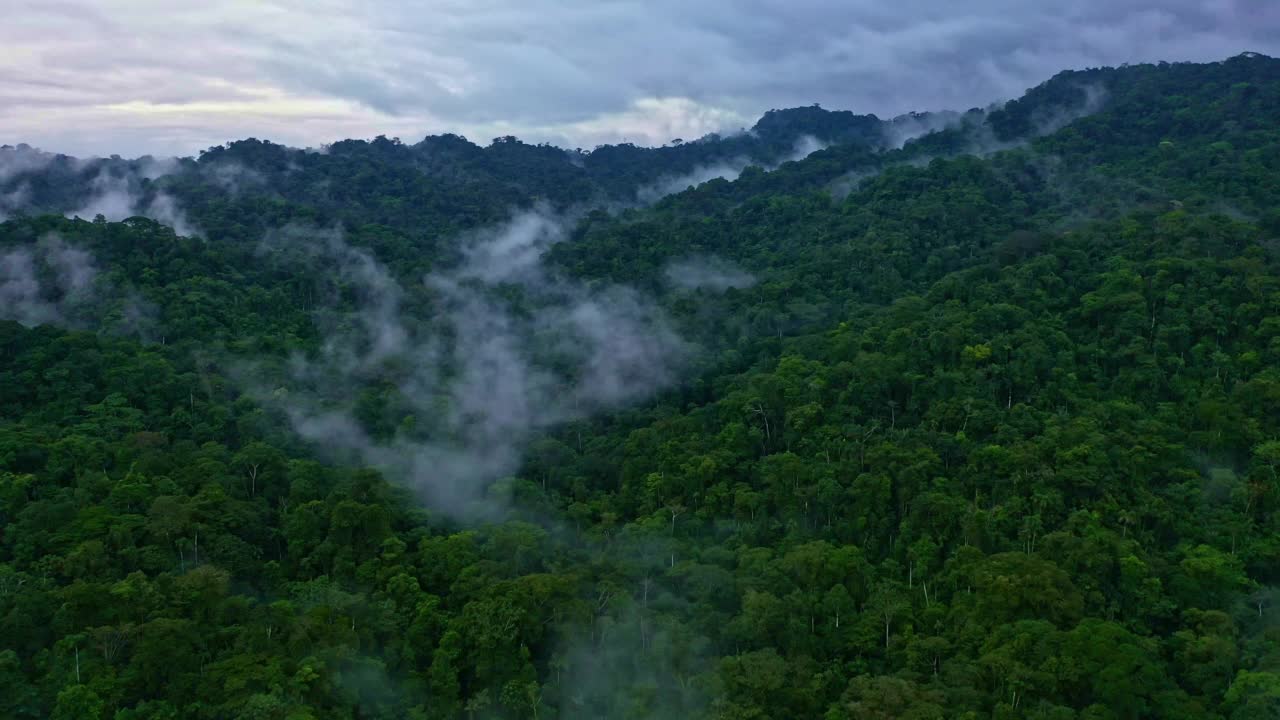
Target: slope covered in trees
984	426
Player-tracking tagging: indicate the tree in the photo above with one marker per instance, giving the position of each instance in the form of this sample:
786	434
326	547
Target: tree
259	460
886	698
1253	695
78	702
888	603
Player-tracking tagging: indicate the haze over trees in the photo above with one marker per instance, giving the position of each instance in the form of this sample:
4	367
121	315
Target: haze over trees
969	415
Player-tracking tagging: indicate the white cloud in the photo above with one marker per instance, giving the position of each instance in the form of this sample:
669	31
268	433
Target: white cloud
648	121
154	77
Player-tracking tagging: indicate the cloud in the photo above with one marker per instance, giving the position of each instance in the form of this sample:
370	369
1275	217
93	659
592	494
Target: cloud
118	196
15	161
707	273
111	198
648	121
483	376
42	284
664	186
1058	117
805	146
132	78
14	200
978	137
726	169
904	128
116	190
231	176
53	282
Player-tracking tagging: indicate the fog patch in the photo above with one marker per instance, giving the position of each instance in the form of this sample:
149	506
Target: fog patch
20	160
905	128
805	146
727	169
1054	119
709	273
153	168
842	186
43	284
116	189
977	136
670	185
481	377
231	176
118	197
14	201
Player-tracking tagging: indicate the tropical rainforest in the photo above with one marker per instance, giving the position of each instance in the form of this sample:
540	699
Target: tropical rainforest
952	415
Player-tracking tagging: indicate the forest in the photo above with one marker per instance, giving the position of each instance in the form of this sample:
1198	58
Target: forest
968	415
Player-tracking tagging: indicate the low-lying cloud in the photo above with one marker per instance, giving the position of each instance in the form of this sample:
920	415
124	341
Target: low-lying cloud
118	196
116	189
485	374
710	273
42	284
726	169
978	136
904	128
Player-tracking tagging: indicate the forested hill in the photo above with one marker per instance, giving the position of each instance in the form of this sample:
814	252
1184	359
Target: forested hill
964	415
440	184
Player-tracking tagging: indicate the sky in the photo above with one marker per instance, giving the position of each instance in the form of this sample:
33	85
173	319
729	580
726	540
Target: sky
131	78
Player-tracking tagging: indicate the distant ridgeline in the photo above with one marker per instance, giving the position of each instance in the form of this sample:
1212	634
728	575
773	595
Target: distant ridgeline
954	415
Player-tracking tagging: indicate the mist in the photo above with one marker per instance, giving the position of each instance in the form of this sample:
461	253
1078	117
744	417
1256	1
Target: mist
119	196
905	128
483	375
116	189
22	159
14	200
15	162
728	169
232	176
42	284
978	136
710	273
805	146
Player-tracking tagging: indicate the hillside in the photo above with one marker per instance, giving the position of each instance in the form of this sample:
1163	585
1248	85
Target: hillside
953	415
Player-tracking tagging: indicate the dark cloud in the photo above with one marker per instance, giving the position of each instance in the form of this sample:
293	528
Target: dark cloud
105	77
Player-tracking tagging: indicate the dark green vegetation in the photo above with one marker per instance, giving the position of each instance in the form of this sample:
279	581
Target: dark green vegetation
991	437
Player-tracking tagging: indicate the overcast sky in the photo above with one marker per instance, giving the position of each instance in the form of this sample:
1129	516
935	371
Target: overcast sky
132	78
